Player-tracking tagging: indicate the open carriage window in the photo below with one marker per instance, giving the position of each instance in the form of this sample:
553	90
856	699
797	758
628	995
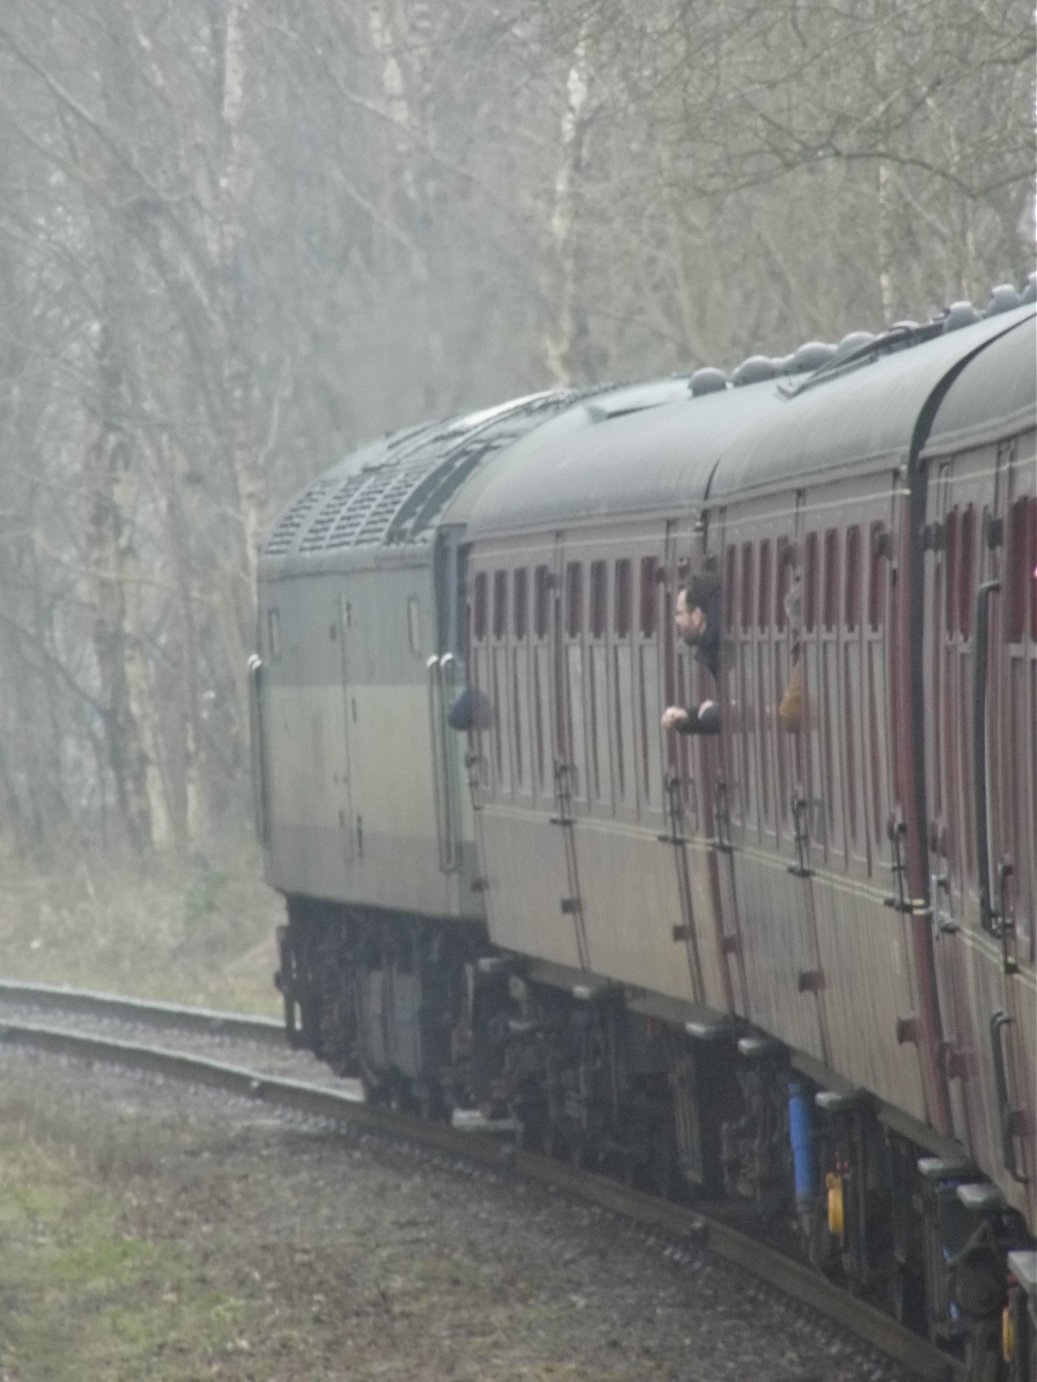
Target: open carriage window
500	603
573	599
852	590
542	601
479	607
520	602
648	597
599	600
622	600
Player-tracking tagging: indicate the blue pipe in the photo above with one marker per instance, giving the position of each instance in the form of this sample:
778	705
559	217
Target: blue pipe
801	1137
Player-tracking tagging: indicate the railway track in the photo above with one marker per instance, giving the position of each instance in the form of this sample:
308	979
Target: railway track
262	1041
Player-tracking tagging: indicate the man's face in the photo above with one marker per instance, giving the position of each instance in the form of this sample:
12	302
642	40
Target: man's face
691	623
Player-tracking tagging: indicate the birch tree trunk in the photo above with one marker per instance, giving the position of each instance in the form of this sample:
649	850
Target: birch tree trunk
561	288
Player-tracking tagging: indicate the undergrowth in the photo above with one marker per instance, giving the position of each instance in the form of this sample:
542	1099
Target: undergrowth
197	931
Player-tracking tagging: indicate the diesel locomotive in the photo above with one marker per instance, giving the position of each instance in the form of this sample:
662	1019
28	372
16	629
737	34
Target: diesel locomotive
792	963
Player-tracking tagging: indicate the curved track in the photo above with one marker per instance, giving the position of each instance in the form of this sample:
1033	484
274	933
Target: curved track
789	1277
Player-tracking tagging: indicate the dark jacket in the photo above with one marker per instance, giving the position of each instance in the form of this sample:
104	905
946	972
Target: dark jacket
707	653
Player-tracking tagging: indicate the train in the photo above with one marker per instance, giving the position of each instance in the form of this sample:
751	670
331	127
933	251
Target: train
790	964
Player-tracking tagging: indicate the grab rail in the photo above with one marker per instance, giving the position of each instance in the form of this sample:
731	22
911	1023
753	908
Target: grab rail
259	799
987	916
1011	1118
445	791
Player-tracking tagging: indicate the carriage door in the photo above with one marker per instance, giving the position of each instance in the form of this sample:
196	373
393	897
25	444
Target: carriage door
688	771
568	606
1007	881
950	556
766	825
526	786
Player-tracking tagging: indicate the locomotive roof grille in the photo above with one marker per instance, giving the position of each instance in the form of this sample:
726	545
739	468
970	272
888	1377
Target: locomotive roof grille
395	496
282	537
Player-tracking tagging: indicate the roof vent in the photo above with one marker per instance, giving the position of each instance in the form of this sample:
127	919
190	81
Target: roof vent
709	379
959	314
856	340
753	371
811	356
1002	299
1029	293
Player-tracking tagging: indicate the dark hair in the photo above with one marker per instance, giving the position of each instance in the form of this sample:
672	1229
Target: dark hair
701	591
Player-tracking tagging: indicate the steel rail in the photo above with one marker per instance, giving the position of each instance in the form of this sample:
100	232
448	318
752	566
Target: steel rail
790	1278
206	1020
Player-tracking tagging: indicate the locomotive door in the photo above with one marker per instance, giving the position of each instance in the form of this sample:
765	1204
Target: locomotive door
758	826
344	776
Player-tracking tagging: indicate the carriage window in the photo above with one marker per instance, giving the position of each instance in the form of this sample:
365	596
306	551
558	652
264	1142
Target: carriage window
1022	568
853	577
950	569
764	587
786	565
810	582
542	598
573	598
622	690
648	600
622	598
877	580
520	602
829	597
479	602
966	570
500	602
746	601
598	599
414	625
729	588
273	629
597	685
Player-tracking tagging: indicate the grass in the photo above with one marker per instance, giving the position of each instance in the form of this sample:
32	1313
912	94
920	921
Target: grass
110	1272
199	932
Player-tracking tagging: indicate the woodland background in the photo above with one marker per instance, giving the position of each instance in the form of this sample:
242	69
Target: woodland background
239	237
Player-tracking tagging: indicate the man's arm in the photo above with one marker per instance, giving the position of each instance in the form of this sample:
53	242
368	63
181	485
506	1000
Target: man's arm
705	719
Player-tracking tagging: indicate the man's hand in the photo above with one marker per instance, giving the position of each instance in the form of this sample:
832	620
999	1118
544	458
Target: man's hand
674	716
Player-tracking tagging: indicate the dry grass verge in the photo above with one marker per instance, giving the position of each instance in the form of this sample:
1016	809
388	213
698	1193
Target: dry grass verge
199	932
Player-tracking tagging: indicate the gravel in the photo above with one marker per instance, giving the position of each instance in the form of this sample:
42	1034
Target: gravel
403	1264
